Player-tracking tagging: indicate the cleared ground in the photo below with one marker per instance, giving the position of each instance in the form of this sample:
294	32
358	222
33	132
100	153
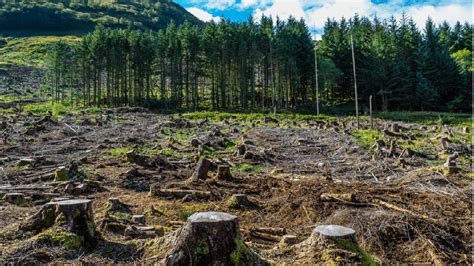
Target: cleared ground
298	172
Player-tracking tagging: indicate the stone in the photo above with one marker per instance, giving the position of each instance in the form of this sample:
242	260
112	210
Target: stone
61	174
223	172
211	238
140	219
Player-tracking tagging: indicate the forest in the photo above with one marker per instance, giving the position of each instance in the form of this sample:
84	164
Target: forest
270	64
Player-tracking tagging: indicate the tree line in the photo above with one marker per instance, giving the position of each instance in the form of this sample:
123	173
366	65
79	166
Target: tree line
268	65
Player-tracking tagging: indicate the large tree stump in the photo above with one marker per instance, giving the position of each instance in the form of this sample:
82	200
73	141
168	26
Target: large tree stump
223	172
211	238
75	215
324	235
201	171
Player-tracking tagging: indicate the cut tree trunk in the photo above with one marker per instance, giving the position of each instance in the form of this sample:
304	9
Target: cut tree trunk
201	171
211	238
223	172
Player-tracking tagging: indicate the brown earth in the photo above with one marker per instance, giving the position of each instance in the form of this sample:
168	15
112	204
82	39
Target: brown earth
297	174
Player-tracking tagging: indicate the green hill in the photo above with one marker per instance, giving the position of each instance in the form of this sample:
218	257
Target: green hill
62	17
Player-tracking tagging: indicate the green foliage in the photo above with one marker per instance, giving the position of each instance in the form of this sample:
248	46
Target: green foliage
249	168
23	17
429	118
65	239
367	137
366	258
464	60
117	152
57	109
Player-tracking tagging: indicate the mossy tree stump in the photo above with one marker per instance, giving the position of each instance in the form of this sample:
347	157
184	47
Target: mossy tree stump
74	216
211	238
223	172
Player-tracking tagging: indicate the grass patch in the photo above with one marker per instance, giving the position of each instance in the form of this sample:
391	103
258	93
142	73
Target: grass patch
66	239
249	168
219	116
367	137
188	210
117	152
429	118
57	110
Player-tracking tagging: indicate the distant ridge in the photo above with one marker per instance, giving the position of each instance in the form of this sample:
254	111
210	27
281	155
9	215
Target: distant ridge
80	16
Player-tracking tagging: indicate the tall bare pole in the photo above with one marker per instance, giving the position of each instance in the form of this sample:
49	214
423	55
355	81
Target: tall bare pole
355	84
371	117
316	75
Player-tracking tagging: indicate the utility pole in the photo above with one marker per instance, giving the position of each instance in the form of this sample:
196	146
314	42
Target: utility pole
355	84
316	76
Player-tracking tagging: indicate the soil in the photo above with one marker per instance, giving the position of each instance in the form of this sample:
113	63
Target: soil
401	212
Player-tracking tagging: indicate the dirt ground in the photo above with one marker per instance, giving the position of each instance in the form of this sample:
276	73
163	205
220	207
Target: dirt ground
403	205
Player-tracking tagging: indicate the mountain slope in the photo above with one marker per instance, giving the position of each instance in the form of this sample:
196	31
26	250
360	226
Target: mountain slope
80	16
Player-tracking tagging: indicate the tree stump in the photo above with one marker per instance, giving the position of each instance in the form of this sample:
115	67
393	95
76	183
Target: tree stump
324	235
241	202
139	219
450	165
201	171
241	149
115	205
211	238
195	143
61	174
75	215
223	172
17	199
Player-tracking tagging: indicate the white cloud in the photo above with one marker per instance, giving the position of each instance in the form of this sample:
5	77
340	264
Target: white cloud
316	12
201	14
283	9
219	4
449	13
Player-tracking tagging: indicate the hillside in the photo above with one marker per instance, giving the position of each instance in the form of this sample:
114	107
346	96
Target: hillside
23	18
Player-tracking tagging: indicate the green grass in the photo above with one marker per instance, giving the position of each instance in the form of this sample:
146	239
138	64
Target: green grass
429	118
367	137
57	110
30	51
249	168
117	152
218	116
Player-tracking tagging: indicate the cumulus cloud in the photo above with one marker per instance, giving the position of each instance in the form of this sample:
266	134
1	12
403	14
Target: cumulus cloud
202	15
316	12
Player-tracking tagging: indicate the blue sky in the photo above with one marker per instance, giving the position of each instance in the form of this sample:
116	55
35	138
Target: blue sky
316	12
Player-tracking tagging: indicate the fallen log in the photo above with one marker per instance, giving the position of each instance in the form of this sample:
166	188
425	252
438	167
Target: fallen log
264	236
387	205
181	193
270	230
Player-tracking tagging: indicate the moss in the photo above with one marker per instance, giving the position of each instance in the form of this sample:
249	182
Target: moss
366	258
242	254
121	215
61	175
366	138
66	239
202	248
249	168
117	152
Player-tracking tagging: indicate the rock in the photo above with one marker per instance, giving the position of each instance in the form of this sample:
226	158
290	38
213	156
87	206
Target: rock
140	219
201	171
17	199
223	172
61	174
211	238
